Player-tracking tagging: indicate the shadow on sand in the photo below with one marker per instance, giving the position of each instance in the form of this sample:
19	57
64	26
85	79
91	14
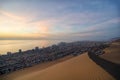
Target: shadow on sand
110	67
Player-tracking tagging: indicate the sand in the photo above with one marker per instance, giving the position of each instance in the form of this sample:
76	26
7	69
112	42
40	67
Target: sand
112	53
35	68
76	68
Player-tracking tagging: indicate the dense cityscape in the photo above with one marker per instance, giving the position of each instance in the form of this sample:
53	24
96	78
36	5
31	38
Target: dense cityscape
22	59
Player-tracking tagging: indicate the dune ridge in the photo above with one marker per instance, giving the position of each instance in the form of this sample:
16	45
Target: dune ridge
112	53
77	68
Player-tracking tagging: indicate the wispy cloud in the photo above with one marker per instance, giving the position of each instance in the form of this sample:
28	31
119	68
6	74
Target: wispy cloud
12	16
58	19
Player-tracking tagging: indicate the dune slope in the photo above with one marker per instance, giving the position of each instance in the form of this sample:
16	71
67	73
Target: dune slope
77	68
112	53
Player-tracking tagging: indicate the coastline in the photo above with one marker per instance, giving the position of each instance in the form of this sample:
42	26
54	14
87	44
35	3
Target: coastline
69	60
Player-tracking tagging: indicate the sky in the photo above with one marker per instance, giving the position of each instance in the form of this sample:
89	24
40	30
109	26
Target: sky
59	19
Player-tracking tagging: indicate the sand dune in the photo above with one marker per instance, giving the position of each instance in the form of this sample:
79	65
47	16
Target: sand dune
77	68
112	53
38	67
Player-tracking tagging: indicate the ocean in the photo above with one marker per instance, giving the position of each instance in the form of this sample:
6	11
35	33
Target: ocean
15	45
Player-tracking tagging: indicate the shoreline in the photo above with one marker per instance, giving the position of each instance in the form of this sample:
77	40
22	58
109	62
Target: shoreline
46	66
29	58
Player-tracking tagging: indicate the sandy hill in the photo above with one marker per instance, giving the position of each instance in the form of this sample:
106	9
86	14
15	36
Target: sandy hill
77	68
112	53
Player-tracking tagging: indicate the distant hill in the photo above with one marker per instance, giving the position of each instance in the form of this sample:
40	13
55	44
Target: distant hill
117	39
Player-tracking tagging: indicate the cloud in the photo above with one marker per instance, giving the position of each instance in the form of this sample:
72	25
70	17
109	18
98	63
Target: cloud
95	31
69	21
106	24
57	19
12	16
